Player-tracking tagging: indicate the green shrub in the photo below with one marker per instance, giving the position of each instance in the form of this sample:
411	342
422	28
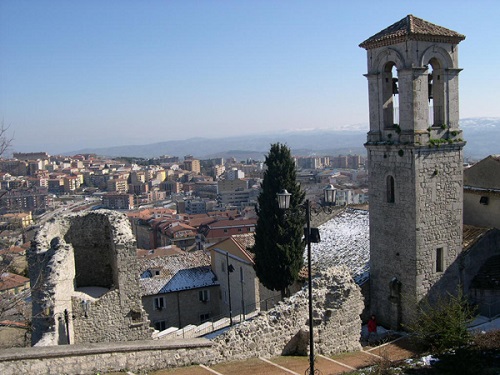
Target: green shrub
442	325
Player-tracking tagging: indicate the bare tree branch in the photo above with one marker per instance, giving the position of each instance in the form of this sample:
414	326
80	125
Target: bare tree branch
5	139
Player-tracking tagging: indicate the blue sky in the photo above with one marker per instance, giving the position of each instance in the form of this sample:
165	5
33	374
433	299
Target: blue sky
93	73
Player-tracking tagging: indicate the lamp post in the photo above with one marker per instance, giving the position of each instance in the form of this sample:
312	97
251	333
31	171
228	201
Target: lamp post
230	269
284	203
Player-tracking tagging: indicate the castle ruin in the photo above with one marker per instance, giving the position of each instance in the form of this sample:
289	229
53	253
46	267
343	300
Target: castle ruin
84	280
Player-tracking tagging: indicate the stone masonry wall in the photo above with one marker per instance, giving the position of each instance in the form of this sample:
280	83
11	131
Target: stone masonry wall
283	330
426	215
71	258
337	305
439	218
137	356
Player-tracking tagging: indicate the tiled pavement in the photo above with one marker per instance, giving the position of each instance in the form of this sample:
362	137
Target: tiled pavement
395	350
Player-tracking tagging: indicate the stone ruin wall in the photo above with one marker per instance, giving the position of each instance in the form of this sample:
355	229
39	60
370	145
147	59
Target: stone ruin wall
283	330
95	249
337	305
138	357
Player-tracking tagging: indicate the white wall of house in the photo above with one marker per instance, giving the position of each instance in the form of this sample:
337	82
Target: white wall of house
242	285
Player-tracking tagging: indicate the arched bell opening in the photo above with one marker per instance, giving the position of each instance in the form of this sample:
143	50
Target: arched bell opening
435	93
390	94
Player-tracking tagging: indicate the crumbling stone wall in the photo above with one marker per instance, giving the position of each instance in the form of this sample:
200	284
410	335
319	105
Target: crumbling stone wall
85	281
140	357
283	330
337	305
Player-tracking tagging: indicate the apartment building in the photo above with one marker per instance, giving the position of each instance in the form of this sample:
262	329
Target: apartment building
25	199
71	183
234	174
56	185
14	167
118	201
231	185
118	185
192	165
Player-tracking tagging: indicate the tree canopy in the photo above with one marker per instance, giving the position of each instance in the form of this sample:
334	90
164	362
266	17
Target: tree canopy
279	245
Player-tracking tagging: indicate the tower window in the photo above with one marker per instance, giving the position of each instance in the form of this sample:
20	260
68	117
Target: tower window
390	189
439	260
484	200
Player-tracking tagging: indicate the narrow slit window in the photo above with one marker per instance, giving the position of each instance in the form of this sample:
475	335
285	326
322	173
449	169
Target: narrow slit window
390	189
439	260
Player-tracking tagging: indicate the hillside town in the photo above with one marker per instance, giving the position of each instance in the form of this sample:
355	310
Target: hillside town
175	208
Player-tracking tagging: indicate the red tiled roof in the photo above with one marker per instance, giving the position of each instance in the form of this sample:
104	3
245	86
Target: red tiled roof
232	223
198	221
11	323
179	227
246	242
227	213
11	280
13	250
412	28
472	234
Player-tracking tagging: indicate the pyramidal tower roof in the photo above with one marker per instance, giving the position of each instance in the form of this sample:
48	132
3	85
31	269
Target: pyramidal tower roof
412	28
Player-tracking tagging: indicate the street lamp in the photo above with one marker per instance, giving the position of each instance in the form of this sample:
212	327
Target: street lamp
230	269
329	194
284	203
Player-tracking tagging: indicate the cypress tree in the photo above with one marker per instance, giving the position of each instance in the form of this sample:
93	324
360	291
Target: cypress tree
279	245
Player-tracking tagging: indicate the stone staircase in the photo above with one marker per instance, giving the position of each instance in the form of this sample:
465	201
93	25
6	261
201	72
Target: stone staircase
191	331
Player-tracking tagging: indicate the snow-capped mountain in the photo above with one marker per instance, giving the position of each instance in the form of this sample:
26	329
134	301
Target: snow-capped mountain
481	133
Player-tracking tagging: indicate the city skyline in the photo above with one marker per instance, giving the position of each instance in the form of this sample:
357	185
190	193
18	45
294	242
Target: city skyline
92	73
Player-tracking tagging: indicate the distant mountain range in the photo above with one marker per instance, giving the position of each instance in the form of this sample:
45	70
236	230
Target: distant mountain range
482	135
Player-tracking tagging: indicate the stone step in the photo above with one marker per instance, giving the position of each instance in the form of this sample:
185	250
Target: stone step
166	332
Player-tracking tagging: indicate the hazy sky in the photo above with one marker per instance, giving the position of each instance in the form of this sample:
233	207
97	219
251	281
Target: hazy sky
77	74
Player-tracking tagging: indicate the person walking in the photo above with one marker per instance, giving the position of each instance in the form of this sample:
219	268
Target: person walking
372	328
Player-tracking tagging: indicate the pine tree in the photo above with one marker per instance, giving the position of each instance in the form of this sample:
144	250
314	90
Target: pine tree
279	245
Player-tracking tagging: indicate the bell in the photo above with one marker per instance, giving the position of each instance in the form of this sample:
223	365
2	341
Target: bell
395	86
429	85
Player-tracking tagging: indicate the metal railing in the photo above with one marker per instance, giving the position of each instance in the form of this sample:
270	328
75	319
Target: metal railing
220	321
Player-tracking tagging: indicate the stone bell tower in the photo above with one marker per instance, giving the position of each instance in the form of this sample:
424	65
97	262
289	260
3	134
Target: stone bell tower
415	166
